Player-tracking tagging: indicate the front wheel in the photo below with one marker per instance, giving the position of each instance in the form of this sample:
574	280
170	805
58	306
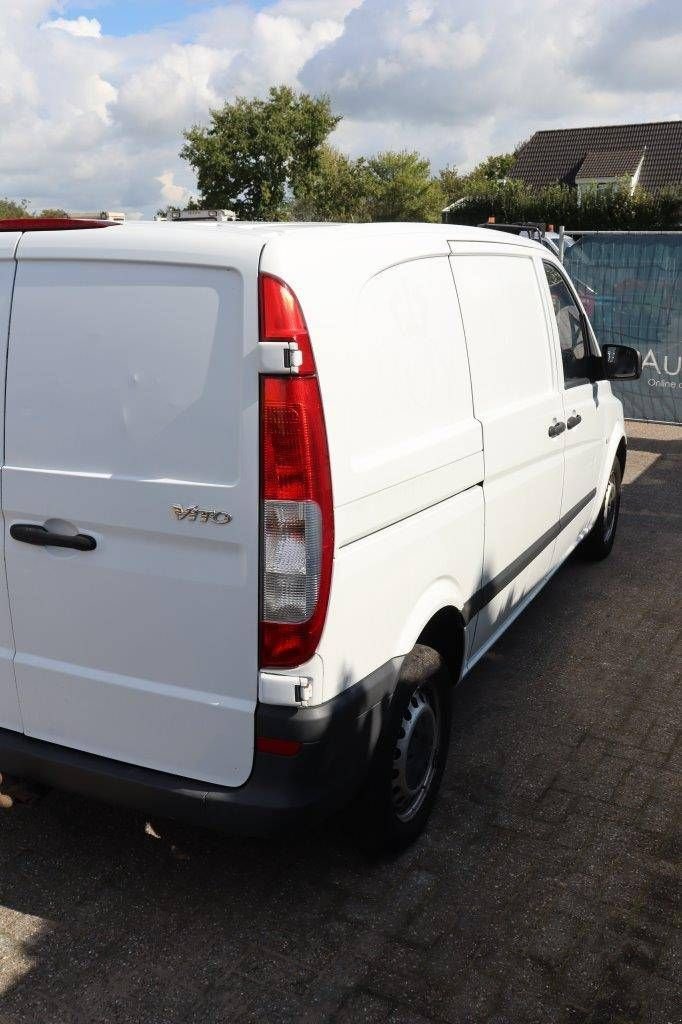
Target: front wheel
599	541
408	764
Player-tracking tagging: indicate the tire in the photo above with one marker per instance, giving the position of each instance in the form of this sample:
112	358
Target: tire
599	541
408	764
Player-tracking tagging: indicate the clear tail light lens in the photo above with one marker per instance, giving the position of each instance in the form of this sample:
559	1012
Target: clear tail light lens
292	559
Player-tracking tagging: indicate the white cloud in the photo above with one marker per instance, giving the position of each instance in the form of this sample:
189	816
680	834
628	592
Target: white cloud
171	91
81	26
462	80
174	195
89	120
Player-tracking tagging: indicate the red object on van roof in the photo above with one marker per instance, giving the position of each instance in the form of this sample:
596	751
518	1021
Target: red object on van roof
51	224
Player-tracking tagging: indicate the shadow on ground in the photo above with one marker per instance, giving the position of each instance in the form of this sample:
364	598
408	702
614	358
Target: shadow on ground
547	888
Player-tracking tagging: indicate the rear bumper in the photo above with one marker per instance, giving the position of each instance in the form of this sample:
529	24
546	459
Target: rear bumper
338	740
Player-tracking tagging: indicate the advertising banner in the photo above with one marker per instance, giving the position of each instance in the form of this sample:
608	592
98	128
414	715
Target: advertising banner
631	287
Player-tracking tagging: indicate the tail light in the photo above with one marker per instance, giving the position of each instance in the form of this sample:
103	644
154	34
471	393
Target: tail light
297	540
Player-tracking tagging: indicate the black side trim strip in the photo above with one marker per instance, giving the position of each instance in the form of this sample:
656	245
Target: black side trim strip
493	587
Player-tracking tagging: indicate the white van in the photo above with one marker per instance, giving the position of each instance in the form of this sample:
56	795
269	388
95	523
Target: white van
270	491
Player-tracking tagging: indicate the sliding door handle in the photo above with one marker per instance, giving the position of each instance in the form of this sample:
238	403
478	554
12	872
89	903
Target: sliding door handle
573	421
31	533
557	428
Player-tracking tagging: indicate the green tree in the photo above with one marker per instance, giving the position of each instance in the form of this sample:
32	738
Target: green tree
168	211
453	184
256	155
598	209
494	168
403	189
11	209
53	212
340	190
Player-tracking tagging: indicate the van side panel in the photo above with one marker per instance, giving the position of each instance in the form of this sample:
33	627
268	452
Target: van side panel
10	716
133	399
404	434
517	399
388	585
407	464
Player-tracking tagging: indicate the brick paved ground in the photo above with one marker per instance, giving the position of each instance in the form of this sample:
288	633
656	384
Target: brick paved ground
547	888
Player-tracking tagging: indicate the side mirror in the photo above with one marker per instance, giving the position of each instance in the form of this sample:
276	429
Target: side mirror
621	362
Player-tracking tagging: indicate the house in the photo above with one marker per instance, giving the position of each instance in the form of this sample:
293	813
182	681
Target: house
649	155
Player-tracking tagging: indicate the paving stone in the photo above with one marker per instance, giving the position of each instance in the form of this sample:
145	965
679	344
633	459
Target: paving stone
635	787
363	1008
636	755
407	1017
553	806
662	736
531	997
554	937
445	989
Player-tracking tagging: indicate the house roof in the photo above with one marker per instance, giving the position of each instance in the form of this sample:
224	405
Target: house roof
610	163
560	154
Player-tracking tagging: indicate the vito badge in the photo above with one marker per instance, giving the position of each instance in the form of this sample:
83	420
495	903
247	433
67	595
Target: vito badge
194	514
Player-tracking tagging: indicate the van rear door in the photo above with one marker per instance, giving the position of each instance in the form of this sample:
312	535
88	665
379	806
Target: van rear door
132	418
10	717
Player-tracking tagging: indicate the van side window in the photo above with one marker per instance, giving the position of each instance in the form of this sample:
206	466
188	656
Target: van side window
575	346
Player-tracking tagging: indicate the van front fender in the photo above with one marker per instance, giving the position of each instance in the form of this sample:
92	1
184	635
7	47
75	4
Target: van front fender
617	435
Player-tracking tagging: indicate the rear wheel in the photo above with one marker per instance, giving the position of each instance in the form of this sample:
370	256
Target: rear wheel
408	764
599	541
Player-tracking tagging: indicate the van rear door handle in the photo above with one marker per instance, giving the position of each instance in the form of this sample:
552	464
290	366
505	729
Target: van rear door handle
557	428
31	533
573	421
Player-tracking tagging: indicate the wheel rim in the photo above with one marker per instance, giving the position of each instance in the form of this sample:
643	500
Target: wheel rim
415	754
610	507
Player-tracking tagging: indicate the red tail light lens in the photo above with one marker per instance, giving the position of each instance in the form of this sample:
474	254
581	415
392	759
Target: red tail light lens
52	224
296	496
281	318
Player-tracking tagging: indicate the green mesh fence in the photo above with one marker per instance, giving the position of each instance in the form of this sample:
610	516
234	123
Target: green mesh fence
631	285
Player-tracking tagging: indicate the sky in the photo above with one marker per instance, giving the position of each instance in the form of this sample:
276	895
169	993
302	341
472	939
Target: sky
94	94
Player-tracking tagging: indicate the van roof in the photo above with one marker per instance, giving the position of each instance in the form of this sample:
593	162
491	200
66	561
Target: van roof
454	232
266	229
168	240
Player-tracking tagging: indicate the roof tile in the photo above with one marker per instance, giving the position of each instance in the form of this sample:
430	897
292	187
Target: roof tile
558	155
610	163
